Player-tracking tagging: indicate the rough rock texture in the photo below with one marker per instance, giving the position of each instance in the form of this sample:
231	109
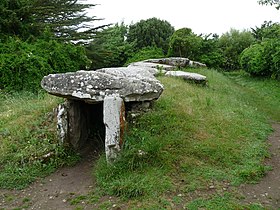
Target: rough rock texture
166	65
138	72
93	86
176	62
172	61
114	120
198	78
153	67
62	122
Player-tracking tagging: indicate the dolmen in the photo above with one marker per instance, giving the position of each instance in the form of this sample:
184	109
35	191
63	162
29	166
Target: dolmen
97	101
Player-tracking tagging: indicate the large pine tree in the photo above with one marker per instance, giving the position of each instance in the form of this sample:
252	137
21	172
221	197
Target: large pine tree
66	19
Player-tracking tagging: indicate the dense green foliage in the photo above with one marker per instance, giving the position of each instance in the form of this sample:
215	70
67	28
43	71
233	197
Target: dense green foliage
184	43
23	18
267	30
232	44
28	51
23	64
210	52
252	60
109	48
152	32
262	59
146	53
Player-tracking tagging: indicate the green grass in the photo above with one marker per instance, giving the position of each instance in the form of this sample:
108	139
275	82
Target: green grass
27	133
265	92
194	136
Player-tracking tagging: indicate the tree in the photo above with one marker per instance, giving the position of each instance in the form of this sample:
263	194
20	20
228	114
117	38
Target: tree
184	43
270	2
232	43
64	18
109	48
268	30
152	32
210	53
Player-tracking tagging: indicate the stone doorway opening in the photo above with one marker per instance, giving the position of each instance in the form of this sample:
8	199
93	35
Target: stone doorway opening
84	129
92	127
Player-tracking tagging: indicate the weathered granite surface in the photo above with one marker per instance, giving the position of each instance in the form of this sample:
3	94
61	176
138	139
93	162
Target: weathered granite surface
93	86
114	121
152	67
172	61
198	78
176	62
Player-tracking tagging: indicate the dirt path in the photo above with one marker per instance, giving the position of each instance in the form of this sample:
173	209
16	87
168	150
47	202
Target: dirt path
267	191
54	192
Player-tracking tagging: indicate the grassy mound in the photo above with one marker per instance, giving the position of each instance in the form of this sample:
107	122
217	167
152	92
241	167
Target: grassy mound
195	139
190	150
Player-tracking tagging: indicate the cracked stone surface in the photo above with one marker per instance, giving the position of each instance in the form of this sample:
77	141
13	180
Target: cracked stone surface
93	86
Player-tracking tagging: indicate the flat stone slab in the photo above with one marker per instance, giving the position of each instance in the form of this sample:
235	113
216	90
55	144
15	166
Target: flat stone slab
176	62
93	86
152	67
187	76
172	61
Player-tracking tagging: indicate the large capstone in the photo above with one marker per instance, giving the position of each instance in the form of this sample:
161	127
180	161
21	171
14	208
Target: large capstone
93	86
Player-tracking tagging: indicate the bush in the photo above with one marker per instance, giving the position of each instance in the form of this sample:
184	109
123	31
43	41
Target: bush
23	64
262	59
146	53
232	44
251	60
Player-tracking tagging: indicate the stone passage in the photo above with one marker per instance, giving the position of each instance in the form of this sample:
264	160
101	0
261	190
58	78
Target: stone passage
94	111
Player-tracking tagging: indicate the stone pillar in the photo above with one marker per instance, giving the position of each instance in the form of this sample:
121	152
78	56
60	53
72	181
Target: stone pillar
62	123
114	121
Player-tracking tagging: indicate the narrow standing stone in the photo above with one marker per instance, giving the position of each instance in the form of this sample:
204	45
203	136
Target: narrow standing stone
62	123
114	120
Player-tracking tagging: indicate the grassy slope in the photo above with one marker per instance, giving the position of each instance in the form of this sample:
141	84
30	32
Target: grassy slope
195	143
27	133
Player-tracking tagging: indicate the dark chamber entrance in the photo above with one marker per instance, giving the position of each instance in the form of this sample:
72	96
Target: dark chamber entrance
87	130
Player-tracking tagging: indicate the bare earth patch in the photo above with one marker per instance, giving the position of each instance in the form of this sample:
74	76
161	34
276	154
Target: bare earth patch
53	192
267	191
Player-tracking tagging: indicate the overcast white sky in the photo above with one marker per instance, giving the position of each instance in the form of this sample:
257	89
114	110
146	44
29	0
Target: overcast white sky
202	16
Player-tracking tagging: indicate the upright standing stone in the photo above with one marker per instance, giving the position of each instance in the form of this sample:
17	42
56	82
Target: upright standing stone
114	120
62	123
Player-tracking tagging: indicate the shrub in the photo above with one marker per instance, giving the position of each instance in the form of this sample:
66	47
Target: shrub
23	64
262	59
251	60
232	44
